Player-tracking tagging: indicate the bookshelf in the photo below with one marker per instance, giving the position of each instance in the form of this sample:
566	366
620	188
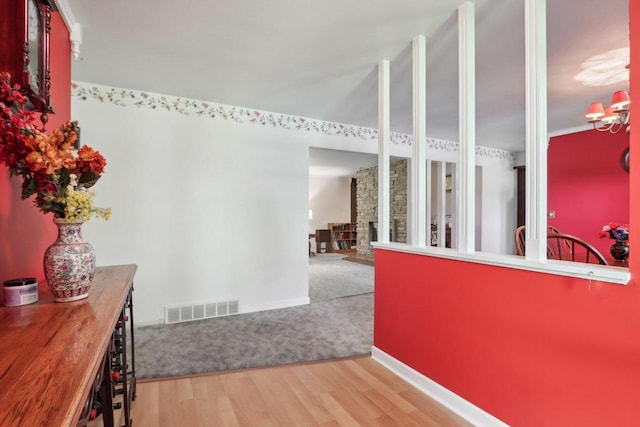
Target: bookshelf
343	237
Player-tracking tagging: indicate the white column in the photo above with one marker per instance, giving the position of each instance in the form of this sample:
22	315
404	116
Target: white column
441	178
383	151
536	129
417	196
465	172
428	205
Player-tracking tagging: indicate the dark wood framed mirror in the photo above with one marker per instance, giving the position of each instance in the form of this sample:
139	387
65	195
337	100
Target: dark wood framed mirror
25	28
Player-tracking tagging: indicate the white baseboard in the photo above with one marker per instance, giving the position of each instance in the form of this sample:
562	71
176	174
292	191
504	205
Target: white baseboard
149	323
251	308
245	308
445	397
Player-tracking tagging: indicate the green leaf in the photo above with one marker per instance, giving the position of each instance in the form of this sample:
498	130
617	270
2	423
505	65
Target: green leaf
63	178
56	208
28	188
88	179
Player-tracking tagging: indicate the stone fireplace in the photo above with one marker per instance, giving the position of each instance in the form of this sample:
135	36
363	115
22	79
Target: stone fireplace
367	206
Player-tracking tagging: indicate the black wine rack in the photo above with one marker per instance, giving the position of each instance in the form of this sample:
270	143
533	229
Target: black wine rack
114	388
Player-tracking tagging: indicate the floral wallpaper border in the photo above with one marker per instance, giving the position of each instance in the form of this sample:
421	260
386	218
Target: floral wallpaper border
191	107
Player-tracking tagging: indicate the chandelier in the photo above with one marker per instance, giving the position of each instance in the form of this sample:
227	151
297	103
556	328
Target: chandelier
613	118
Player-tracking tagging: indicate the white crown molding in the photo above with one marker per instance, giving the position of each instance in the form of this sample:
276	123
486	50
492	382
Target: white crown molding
73	26
66	12
567	131
75	36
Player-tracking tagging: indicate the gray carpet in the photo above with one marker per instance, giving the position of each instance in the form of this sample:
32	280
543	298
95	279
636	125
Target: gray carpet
331	277
337	323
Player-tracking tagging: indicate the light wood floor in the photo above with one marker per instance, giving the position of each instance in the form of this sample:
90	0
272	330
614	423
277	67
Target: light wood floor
347	392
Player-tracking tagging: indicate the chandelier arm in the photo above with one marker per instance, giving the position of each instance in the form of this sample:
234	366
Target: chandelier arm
625	116
605	128
616	127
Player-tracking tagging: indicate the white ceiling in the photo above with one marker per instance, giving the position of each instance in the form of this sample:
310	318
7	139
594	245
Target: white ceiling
319	59
325	162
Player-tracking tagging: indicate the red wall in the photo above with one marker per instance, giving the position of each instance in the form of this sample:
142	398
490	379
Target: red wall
586	185
25	232
532	349
634	143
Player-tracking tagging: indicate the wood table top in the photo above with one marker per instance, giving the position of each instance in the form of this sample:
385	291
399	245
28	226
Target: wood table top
52	351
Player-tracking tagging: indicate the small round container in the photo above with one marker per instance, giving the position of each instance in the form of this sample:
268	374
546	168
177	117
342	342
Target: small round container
20	291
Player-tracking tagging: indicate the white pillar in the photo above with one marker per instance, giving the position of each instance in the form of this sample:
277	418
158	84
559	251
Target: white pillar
428	195
536	133
383	151
441	178
417	196
465	172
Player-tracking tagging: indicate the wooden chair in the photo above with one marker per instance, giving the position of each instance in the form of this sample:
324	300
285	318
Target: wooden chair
571	248
521	241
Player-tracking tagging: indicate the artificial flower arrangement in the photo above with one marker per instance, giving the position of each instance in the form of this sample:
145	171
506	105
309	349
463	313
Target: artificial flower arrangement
619	233
48	164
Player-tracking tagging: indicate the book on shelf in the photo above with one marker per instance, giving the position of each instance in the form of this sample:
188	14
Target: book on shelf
343	236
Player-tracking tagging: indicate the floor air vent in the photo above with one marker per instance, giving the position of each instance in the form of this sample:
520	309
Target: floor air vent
207	310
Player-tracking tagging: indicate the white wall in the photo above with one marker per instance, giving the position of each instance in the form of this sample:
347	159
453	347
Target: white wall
498	184
207	209
499	192
330	200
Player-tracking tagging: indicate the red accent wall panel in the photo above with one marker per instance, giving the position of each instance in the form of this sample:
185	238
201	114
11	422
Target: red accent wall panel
60	72
25	232
529	348
586	184
634	143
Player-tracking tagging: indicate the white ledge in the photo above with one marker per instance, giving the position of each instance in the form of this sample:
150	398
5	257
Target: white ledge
602	273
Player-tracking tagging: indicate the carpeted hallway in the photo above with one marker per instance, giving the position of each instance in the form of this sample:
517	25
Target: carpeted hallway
337	323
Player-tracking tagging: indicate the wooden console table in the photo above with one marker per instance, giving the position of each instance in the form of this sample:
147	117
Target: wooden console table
51	352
